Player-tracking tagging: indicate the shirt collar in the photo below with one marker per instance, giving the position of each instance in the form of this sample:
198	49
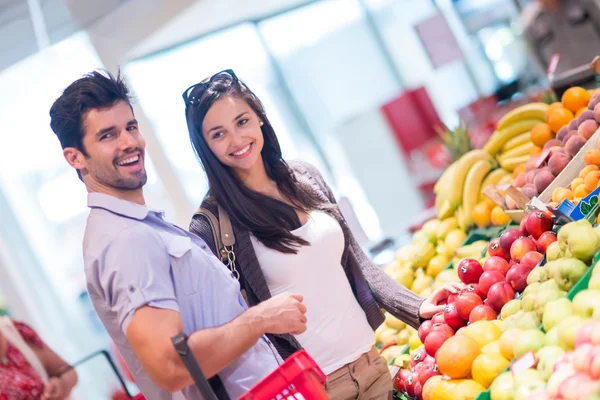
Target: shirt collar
117	206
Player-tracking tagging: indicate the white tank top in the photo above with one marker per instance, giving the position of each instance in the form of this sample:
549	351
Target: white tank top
337	329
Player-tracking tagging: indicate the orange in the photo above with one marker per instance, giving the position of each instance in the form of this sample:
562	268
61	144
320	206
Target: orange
498	217
541	134
482	214
559	118
429	386
490	203
581	191
575	98
592	157
598	143
536	151
484	332
587	169
598	220
575	183
560	193
580	111
507	342
518	169
457	389
552	107
591	180
487	367
456	355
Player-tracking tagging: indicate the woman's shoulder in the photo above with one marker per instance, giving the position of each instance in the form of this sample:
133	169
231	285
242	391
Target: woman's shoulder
301	166
28	334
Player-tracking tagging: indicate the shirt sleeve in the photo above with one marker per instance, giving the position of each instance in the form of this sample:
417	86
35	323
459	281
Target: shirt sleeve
135	271
29	335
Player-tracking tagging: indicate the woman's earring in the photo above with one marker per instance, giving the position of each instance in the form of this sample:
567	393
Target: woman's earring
261	123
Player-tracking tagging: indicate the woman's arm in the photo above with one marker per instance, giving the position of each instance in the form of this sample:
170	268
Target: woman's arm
59	386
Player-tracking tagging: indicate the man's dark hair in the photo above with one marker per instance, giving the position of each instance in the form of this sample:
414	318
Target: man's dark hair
96	90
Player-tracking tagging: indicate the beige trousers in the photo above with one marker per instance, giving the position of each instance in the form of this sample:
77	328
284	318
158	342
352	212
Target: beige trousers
367	378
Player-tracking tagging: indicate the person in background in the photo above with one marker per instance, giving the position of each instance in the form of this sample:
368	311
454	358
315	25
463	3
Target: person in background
291	236
149	279
30	370
570	28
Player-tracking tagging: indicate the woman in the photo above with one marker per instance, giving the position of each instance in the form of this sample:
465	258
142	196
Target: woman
30	370
291	237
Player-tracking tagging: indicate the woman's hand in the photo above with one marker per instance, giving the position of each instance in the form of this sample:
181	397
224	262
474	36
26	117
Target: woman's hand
432	306
53	390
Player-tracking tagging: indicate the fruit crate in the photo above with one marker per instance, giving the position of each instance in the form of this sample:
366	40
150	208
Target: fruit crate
581	285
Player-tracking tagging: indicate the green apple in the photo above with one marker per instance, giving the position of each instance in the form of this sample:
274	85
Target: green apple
569	271
531	339
583	243
596	315
594	281
553	252
539	274
532	289
510	308
503	387
526	382
586	302
528	320
547	356
567	331
552	337
545	296
555	311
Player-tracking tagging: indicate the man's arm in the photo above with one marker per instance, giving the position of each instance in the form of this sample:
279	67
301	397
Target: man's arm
151	340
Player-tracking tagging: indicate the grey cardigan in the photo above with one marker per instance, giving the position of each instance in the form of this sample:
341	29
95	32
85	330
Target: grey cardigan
371	286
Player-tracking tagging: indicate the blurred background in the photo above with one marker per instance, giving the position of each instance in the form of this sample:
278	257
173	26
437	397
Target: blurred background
356	87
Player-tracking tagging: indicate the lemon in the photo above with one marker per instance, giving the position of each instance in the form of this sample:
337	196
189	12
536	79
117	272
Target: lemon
437	264
446	226
455	239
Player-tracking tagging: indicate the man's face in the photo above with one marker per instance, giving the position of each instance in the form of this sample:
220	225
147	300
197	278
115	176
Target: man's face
115	150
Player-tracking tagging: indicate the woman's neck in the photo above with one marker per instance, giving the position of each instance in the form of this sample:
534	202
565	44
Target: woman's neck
257	179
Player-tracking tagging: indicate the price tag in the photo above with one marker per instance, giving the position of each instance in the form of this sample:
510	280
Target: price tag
394	370
523	363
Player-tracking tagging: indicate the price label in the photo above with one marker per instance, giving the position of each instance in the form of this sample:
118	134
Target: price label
523	363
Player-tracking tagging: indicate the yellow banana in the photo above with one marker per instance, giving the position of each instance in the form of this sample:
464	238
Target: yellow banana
455	189
517	141
460	217
510	164
472	250
445	178
517	151
472	188
443	184
528	111
493	178
501	136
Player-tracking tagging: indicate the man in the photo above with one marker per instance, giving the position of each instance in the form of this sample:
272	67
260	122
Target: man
149	279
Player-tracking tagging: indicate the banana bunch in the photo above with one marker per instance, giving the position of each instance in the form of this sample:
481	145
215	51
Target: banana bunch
457	191
511	142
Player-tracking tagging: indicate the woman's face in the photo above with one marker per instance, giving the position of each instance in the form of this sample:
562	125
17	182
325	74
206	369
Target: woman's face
232	131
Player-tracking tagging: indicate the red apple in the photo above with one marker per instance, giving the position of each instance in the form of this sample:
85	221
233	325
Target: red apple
537	223
400	379
434	341
517	276
487	279
469	270
438	318
508	238
521	247
427	372
452	318
494	249
473	288
418	391
424	330
585	334
416	370
523	227
593	364
429	360
466	302
451	298
443	328
496	264
418	356
482	312
499	294
580	355
532	258
409	384
545	240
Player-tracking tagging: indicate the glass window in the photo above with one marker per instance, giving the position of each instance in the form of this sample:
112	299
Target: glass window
160	80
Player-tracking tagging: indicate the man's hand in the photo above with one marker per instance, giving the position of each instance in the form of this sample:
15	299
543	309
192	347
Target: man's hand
53	390
431	305
283	313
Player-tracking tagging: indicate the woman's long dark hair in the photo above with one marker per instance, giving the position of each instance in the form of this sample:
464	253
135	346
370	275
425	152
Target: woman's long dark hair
270	220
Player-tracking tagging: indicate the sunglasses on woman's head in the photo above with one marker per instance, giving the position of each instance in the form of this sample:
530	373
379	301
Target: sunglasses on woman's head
193	94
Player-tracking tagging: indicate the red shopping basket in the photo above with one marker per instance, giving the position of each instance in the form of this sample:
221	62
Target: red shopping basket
298	378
